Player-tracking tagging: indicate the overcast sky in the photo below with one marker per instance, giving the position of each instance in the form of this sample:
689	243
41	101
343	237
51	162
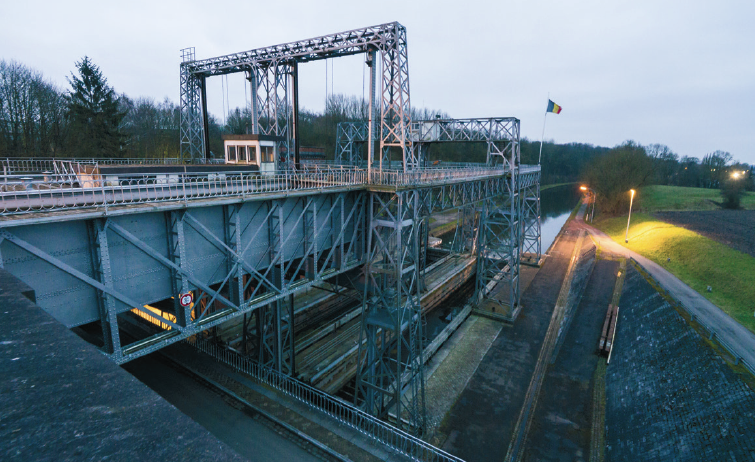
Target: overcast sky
680	73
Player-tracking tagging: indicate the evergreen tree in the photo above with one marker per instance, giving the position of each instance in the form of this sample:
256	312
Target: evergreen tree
93	113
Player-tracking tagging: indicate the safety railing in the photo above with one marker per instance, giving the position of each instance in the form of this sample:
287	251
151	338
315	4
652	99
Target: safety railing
341	411
311	166
23	194
67	187
11	165
418	177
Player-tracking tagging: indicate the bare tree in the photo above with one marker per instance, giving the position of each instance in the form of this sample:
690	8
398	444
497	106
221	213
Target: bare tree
31	112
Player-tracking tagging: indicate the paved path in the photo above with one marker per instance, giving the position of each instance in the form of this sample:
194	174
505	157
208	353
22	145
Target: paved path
562	421
729	331
236	426
480	424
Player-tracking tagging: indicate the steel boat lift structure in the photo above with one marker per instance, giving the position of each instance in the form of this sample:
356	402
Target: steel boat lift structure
102	249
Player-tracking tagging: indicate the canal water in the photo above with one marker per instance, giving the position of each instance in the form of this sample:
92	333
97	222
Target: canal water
556	205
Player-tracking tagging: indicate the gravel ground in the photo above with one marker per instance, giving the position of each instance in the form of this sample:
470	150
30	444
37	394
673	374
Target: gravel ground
669	396
735	228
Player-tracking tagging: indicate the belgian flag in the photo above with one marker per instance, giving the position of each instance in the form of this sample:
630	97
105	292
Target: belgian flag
553	107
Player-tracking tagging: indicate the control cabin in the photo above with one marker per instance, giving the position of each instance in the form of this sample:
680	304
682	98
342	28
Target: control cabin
259	150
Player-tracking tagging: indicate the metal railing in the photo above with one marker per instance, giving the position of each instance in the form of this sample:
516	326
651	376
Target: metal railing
12	165
424	176
23	194
341	411
68	185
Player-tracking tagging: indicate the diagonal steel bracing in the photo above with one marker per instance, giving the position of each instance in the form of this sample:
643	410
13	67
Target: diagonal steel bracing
500	134
390	376
530	215
188	251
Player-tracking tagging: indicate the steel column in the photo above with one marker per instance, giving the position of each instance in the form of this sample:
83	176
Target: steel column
390	376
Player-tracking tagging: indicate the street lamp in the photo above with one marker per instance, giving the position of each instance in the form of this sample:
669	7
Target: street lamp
631	199
594	196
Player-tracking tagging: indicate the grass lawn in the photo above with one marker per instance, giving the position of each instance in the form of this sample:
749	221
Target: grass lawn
665	198
698	261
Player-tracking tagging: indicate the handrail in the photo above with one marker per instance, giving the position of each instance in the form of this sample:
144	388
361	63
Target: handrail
11	165
23	194
343	412
67	188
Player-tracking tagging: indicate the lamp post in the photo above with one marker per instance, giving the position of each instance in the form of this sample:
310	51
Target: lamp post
631	199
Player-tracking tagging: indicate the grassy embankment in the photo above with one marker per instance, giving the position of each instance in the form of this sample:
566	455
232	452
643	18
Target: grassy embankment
670	198
698	261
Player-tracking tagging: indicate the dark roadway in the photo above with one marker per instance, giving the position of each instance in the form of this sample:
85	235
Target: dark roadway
480	424
229	421
563	418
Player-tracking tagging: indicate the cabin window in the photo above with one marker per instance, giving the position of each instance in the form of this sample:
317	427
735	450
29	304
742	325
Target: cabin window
231	153
242	154
253	154
267	153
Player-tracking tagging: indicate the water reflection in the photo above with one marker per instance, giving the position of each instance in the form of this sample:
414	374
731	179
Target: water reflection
556	205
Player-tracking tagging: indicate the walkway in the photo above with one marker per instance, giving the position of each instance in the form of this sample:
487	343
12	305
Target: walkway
62	400
729	331
480	424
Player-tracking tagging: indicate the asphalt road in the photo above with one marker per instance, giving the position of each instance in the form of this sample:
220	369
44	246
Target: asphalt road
729	331
562	421
480	423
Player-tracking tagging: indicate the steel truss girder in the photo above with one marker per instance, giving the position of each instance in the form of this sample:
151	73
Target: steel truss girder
465	238
350	137
500	246
246	286
273	111
501	135
437	198
269	68
390	376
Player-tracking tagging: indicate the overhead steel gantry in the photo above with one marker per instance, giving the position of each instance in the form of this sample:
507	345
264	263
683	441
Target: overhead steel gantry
510	223
496	132
273	76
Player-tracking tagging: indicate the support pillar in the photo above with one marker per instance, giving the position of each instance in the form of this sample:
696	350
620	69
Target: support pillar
390	376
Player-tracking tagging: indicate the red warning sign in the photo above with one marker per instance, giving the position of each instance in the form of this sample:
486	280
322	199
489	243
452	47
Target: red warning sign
186	299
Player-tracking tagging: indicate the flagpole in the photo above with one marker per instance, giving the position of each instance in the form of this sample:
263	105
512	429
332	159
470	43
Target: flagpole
542	138
545	117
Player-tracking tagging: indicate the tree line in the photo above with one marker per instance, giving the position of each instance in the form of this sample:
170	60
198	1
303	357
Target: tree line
40	119
632	166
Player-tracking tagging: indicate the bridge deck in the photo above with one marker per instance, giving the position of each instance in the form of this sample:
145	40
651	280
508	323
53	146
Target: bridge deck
35	193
